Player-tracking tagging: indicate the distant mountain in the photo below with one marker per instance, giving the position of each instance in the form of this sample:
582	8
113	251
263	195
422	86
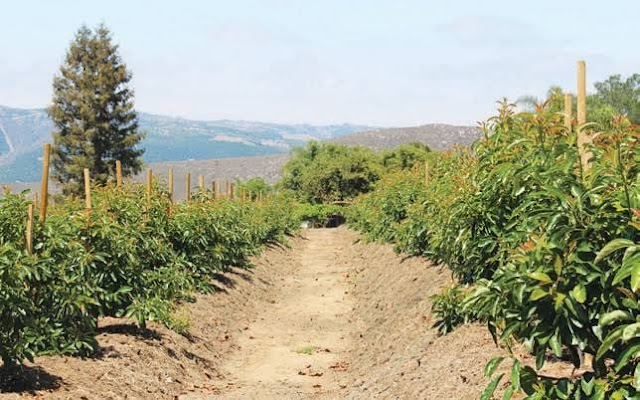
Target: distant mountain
23	131
436	136
269	167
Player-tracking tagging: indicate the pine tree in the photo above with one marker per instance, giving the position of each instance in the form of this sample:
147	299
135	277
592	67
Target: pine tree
93	113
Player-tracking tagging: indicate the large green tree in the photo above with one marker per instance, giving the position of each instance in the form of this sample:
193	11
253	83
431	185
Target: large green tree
613	96
329	172
93	112
622	94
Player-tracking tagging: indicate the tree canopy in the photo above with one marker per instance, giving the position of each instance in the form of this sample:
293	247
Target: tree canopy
328	172
93	112
404	156
615	95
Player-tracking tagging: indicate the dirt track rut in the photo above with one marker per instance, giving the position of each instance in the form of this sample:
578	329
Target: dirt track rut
297	346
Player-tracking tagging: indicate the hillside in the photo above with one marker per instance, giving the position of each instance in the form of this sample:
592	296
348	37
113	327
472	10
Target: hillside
436	136
22	132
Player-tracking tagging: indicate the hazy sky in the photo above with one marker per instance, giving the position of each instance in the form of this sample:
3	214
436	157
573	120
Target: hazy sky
383	63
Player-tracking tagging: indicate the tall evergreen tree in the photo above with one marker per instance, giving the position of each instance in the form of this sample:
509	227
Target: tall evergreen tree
93	113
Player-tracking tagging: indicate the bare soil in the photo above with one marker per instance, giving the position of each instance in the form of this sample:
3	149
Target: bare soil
329	317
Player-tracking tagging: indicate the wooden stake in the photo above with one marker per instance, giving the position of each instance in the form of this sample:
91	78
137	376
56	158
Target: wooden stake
568	110
426	173
231	190
583	135
44	183
188	187
227	187
118	174
582	93
171	185
87	191
149	188
201	183
29	233
213	189
244	195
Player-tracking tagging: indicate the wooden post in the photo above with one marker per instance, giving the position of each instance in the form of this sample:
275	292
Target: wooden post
87	191
426	173
118	174
171	185
582	93
44	184
231	190
583	136
29	233
227	187
244	195
188	187
201	183
149	188
568	110
213	189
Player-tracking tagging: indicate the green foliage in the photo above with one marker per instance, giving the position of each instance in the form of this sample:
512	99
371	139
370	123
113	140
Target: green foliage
549	247
92	110
623	95
120	260
405	156
328	172
379	215
255	186
448	308
318	214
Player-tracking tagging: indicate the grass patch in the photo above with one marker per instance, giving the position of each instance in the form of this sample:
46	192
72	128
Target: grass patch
308	350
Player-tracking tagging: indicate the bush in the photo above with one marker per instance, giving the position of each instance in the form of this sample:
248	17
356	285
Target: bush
549	247
328	172
119	260
319	214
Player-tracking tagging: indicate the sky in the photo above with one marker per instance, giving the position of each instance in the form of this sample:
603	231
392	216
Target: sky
382	63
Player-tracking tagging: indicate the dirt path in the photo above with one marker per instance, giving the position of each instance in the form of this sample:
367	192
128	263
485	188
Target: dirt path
297	347
328	317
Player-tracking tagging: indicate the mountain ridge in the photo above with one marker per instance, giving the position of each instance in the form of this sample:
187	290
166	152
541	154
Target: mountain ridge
169	138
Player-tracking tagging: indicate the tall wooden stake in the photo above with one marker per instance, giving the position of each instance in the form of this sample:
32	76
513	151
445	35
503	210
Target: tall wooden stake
231	190
426	173
149	188
29	233
214	193
118	174
44	184
87	191
171	185
568	110
582	92
244	195
583	136
201	183
188	187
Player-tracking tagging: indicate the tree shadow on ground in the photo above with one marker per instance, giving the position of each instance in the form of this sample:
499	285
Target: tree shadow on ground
130	329
224	282
27	379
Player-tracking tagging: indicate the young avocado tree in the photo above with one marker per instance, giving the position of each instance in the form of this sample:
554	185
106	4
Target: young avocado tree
93	113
